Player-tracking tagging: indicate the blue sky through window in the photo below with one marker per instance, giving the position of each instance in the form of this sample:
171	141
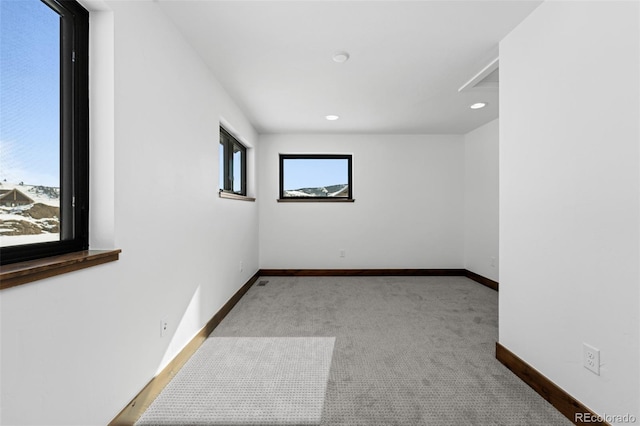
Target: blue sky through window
29	93
315	173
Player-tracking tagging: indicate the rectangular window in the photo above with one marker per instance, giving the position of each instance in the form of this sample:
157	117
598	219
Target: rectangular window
44	113
316	177
233	164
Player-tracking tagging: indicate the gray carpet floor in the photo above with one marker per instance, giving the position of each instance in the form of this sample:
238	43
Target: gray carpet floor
407	351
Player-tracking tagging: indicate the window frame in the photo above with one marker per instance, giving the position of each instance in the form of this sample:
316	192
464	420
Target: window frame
348	157
74	139
227	140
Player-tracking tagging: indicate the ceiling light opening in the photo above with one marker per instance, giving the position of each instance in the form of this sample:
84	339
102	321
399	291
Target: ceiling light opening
478	105
340	57
332	117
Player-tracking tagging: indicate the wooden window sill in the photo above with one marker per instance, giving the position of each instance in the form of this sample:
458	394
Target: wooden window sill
233	196
25	272
316	200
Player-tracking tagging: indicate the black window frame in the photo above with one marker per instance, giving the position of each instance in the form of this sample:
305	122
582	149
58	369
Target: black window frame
74	139
228	141
348	157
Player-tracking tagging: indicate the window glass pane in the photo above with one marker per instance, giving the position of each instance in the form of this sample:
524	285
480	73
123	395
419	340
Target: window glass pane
237	168
29	123
310	177
221	156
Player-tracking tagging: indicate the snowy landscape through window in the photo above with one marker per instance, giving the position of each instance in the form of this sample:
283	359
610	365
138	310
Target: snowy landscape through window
315	176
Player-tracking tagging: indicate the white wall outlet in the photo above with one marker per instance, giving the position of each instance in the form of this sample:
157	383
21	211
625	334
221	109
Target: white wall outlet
241	266
493	262
163	327
591	358
342	252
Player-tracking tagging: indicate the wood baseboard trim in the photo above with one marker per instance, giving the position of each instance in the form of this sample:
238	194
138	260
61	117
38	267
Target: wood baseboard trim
482	280
132	412
360	272
567	405
380	272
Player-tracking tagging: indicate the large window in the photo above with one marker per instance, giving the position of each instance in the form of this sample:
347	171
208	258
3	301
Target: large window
44	129
316	177
233	164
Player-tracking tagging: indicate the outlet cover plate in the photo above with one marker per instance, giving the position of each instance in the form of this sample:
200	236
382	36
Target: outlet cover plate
591	358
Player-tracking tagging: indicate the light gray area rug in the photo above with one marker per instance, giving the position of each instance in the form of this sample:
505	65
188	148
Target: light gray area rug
247	381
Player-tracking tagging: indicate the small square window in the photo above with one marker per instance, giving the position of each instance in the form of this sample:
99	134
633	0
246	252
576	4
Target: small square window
233	164
316	177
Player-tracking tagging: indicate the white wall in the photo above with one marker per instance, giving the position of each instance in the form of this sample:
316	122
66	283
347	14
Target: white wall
408	211
481	200
76	348
569	194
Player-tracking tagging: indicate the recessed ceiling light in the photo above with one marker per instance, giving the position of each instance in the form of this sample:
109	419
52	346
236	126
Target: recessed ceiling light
332	117
478	105
340	57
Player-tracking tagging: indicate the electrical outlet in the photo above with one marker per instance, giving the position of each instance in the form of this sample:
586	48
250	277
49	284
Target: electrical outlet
343	253
591	358
163	327
493	262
